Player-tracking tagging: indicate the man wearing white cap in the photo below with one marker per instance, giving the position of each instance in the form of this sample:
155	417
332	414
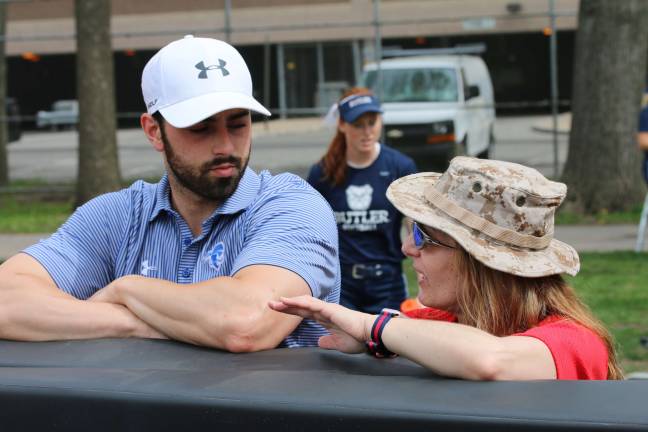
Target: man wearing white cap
197	256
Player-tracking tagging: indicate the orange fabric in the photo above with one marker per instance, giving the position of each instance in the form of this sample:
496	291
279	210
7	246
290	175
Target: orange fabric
410	304
431	314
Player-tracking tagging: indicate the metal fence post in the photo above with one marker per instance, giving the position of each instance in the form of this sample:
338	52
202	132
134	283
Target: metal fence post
281	77
228	26
378	48
319	52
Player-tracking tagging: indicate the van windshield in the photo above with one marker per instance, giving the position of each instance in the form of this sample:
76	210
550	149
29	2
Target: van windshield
415	85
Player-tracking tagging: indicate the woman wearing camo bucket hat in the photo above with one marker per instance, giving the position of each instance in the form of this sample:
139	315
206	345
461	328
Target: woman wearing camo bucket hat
489	272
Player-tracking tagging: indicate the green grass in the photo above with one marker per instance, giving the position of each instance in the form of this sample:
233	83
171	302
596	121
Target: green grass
601	218
615	286
38	206
18	216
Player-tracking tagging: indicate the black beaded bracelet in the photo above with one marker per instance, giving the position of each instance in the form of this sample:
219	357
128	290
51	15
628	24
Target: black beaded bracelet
375	346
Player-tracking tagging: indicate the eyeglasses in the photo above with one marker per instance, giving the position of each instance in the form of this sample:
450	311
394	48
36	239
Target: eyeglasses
421	239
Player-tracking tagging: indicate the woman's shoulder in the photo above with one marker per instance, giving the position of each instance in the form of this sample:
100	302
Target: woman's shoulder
578	351
396	158
565	328
315	173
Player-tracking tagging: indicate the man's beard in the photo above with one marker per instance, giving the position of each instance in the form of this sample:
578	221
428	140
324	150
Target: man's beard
197	179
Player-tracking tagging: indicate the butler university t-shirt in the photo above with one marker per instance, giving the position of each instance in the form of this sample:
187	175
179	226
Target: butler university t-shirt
368	224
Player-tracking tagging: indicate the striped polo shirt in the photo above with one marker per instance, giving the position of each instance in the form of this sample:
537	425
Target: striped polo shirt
275	220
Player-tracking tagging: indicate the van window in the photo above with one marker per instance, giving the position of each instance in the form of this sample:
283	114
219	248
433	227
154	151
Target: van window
415	85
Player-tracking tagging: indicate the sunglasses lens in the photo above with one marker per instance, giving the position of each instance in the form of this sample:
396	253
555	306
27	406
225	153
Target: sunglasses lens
419	241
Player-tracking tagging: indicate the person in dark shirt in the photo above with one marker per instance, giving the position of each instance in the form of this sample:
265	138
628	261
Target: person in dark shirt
642	135
353	177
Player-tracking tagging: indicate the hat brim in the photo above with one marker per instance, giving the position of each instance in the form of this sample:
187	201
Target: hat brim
191	111
407	195
354	114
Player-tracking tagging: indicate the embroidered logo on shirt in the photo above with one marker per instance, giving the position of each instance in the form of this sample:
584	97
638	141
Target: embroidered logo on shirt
217	256
384	173
147	268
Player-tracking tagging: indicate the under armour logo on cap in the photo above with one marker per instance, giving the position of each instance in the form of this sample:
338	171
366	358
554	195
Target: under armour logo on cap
203	69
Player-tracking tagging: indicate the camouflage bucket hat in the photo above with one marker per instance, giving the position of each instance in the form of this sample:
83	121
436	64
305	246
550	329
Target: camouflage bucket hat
501	213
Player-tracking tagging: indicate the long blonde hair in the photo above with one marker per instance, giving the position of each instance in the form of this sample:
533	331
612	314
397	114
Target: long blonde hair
503	304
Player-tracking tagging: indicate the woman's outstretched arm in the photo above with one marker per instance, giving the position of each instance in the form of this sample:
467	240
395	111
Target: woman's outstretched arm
448	349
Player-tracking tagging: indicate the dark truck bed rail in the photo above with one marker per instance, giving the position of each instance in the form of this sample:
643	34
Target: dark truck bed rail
142	385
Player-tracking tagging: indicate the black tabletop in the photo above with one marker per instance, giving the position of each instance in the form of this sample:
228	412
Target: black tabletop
133	384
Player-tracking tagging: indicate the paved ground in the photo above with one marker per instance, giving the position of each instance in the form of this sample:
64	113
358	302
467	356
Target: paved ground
278	145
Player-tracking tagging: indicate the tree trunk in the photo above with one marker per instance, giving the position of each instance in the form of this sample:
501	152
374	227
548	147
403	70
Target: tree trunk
4	124
98	161
603	167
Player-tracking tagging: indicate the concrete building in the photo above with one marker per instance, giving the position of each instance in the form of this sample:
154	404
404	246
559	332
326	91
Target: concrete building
301	52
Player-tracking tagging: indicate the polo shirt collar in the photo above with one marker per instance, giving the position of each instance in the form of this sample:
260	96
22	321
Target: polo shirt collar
243	196
162	201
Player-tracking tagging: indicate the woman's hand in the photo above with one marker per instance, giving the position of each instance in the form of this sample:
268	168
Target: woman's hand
349	329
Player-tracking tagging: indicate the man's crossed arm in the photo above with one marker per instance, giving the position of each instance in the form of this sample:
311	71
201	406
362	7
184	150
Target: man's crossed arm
227	312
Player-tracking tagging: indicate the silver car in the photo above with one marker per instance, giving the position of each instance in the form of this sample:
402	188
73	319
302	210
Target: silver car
63	113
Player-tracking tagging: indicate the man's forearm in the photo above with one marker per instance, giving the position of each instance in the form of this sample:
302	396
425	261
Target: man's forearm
31	310
224	312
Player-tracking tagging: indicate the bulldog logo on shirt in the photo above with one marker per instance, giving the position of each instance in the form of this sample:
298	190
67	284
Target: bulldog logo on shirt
360	218
217	256
359	197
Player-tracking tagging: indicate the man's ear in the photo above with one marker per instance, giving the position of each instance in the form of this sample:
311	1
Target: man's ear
152	131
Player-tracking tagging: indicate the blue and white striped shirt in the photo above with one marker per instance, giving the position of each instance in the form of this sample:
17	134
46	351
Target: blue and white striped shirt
275	220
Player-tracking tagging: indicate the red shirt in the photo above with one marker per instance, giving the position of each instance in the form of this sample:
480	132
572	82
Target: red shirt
577	351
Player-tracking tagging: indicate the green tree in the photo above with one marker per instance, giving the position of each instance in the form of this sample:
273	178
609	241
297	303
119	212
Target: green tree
98	161
602	169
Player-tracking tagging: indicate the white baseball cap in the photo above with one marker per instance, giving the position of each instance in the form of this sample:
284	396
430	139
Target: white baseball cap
194	78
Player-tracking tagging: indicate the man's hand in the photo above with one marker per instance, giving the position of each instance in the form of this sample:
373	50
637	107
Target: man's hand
145	331
110	294
33	308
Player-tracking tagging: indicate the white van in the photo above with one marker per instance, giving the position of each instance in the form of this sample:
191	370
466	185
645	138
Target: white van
436	107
